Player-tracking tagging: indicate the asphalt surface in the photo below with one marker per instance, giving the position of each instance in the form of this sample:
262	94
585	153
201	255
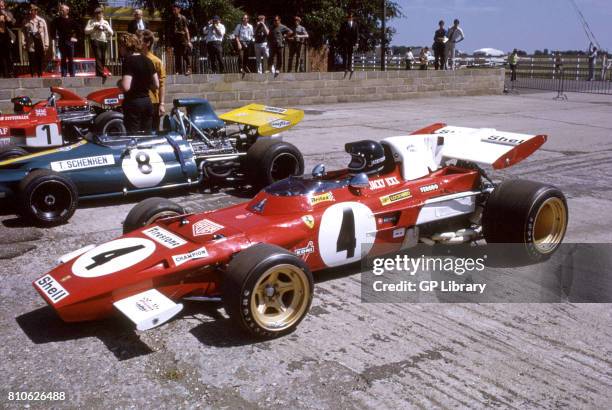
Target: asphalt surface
345	354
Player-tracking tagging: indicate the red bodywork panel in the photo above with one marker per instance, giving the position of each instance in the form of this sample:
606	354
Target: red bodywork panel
84	67
311	226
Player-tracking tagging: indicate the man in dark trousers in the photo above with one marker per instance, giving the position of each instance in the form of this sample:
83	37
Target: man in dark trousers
66	30
439	47
277	39
348	38
180	41
138	23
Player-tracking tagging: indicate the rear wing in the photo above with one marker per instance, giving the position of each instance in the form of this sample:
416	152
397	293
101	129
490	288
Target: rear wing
487	146
268	120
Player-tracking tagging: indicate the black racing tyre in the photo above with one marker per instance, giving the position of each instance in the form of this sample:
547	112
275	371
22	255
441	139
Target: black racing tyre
109	122
267	290
270	160
149	211
528	213
11	151
47	198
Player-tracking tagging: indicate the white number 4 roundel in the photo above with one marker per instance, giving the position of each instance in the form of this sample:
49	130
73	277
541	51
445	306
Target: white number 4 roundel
346	233
112	257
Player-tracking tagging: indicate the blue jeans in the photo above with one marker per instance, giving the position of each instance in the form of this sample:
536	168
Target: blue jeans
67	52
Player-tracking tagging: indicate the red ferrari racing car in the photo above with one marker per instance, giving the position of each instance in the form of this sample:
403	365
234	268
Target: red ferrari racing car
62	118
258	256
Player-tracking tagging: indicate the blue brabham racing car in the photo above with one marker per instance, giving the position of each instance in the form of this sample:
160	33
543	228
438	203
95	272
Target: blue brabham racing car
196	146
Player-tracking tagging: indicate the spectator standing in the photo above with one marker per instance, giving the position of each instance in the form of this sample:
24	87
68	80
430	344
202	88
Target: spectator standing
157	96
277	40
139	77
36	40
65	30
7	38
558	64
296	44
261	42
100	34
423	58
180	40
455	35
348	37
440	40
214	32
592	60
409	59
513	60
243	36
138	23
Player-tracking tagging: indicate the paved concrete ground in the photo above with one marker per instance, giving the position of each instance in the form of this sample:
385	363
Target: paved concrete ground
345	354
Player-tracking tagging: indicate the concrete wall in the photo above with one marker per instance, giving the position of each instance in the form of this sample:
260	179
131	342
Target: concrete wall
232	90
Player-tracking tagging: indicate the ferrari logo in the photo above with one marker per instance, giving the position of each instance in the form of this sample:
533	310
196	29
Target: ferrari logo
308	220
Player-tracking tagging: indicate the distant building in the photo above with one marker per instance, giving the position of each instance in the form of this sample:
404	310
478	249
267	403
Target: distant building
488	52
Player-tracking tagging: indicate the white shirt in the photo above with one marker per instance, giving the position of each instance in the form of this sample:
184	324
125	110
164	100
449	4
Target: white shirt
99	30
455	35
140	25
244	33
211	34
410	56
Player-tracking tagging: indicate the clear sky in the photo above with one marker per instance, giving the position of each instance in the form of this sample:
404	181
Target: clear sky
507	24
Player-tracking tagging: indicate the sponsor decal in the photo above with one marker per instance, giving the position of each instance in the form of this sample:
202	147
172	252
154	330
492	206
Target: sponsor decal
110	101
164	237
497	139
280	123
82	163
206	227
50	287
275	110
13	117
399	233
40	112
309	221
146	304
186	257
429	188
378	161
317	199
398	196
305	250
4	131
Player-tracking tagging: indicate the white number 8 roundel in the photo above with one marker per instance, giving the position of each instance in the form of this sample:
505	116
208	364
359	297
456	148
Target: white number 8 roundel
347	229
144	168
112	257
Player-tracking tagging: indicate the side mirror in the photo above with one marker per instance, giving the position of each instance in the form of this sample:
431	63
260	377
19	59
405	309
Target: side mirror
360	181
318	171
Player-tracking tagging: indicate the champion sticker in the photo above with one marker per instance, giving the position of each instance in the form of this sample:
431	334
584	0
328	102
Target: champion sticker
317	199
280	123
429	188
50	287
305	250
398	196
275	110
206	227
164	237
186	257
308	221
82	163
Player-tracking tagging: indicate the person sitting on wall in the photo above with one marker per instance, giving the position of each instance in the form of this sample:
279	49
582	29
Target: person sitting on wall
424	58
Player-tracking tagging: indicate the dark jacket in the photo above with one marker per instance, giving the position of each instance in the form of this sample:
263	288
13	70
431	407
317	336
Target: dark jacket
349	35
64	29
133	28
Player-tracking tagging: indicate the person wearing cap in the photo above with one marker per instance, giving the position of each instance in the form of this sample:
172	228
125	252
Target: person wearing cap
36	41
296	44
243	36
214	32
100	33
180	40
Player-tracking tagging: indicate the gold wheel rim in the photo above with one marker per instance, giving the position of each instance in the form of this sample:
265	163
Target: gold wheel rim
280	297
549	226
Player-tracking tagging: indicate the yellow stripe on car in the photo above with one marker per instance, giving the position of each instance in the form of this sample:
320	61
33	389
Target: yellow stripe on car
42	153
